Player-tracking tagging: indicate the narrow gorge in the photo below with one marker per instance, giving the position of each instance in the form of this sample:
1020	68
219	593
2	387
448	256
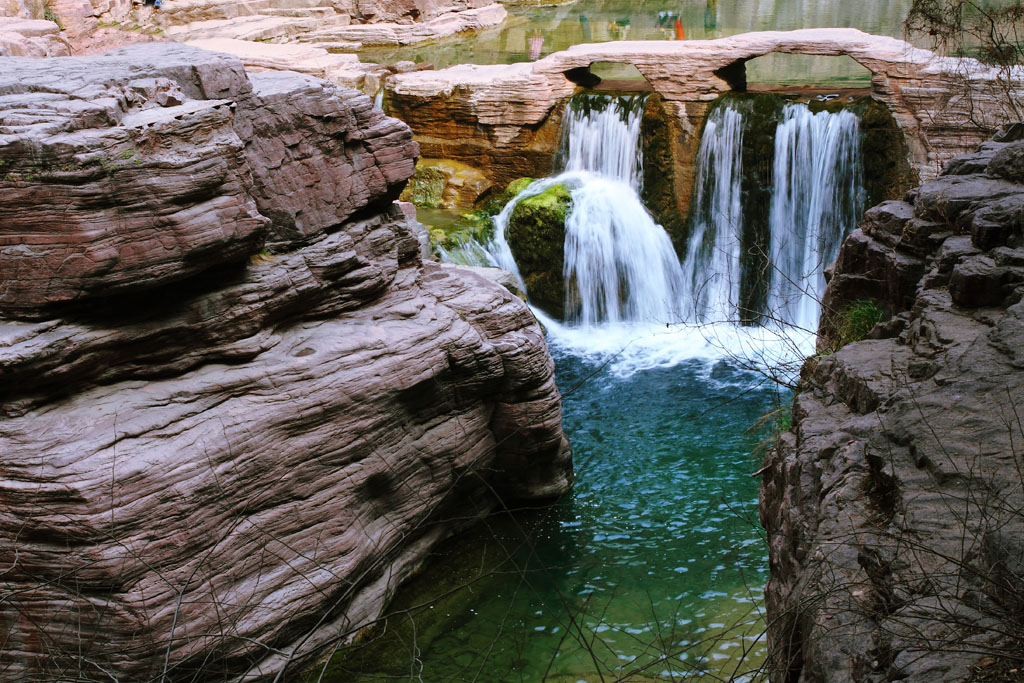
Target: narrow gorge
355	340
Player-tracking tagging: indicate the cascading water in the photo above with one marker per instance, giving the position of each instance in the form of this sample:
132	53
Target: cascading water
619	263
817	199
620	266
712	265
651	540
602	135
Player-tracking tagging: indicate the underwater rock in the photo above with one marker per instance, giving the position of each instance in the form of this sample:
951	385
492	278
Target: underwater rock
426	187
536	236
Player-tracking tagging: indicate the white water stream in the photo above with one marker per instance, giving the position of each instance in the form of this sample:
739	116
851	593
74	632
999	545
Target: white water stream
636	300
816	199
712	265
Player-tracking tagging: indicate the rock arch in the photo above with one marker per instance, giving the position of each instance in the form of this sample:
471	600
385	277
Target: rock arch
926	94
921	89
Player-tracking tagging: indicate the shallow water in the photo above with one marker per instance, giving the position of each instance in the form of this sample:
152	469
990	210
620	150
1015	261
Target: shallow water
657	551
594	21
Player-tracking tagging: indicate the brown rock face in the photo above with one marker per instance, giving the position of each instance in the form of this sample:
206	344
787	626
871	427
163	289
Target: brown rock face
503	119
217	460
116	185
31	38
893	506
318	155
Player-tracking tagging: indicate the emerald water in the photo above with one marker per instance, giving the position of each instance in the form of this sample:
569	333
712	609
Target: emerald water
652	567
531	32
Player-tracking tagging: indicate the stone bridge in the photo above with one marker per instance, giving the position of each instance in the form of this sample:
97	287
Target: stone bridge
943	106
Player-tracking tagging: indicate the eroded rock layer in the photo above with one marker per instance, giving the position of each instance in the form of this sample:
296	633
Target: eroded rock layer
237	407
894	505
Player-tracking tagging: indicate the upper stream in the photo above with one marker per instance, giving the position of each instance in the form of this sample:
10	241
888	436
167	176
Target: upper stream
531	32
652	568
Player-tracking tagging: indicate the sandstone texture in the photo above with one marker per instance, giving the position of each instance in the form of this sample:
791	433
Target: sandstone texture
236	406
344	25
484	111
894	505
502	118
31	38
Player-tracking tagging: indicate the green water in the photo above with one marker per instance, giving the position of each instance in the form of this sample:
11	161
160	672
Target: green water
652	568
595	21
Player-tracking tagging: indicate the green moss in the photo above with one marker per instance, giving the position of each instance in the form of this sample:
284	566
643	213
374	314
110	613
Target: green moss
516	186
556	199
495	201
50	15
536	235
425	188
471	227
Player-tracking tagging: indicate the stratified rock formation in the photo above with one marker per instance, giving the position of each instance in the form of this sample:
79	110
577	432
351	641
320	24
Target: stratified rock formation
31	38
236	408
895	505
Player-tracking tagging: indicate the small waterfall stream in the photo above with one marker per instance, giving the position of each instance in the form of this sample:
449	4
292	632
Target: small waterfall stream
816	195
602	135
712	265
817	200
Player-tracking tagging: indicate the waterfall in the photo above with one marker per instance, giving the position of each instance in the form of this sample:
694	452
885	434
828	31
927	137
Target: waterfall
619	265
712	266
622	273
621	262
601	134
817	199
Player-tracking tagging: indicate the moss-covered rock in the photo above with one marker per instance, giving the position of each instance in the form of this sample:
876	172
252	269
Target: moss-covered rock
471	227
887	170
536	236
426	187
495	200
442	183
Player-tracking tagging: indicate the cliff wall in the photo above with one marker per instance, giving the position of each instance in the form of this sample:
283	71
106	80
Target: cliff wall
236	407
895	504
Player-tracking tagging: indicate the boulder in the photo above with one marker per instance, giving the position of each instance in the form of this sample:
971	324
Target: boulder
198	169
31	38
441	183
220	458
536	236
